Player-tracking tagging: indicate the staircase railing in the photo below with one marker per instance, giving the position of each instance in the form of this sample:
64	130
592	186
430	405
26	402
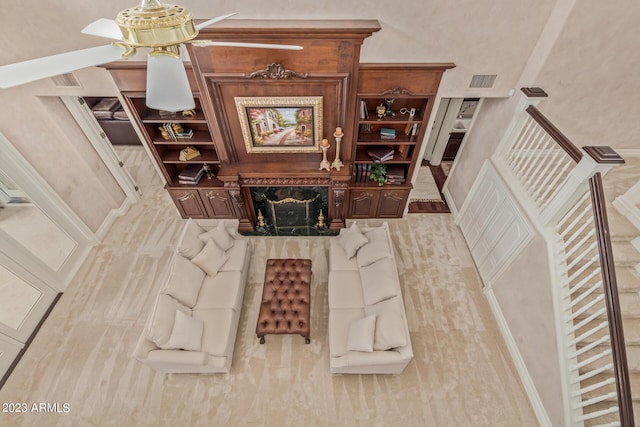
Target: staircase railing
564	186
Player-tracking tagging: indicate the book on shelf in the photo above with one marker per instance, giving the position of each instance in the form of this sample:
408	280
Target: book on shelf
403	151
408	128
361	172
387	133
364	113
191	174
414	129
395	175
380	154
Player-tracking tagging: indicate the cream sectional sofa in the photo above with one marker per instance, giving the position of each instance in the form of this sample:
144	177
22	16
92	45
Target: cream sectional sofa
193	324
368	331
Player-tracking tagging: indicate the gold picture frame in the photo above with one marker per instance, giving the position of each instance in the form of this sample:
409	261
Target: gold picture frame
291	124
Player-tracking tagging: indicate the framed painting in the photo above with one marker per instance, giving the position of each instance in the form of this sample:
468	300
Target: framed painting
290	124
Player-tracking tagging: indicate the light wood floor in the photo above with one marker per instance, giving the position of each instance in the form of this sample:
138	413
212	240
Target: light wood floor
461	374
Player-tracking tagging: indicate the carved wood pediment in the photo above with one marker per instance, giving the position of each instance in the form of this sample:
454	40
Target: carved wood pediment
275	71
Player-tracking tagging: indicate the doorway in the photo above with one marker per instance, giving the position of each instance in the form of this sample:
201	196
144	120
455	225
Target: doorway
452	124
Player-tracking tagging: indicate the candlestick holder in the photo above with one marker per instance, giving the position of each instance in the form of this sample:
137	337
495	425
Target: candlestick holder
337	164
324	164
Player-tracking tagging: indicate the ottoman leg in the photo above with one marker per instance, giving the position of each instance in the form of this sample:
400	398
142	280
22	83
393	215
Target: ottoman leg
261	338
307	340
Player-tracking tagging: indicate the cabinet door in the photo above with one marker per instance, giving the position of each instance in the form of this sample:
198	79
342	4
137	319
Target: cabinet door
392	203
188	202
217	203
363	203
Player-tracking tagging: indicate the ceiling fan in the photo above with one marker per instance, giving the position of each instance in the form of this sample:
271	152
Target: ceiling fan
161	27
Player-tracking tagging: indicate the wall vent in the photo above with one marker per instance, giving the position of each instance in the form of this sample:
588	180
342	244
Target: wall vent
483	80
66	80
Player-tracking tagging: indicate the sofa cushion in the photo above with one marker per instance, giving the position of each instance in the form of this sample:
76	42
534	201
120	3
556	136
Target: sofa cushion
184	281
217	333
376	248
210	258
351	239
220	235
361	334
186	333
338	257
163	318
191	245
224	290
237	256
345	289
339	321
390	325
379	281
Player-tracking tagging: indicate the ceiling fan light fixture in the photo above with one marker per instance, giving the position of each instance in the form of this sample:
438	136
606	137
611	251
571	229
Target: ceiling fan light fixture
168	86
152	24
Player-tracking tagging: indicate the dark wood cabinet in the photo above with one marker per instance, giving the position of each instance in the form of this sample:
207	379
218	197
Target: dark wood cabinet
363	203
217	203
378	202
188	202
392	203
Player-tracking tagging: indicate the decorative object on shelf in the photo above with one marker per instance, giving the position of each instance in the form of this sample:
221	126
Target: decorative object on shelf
388	102
337	163
378	173
281	124
189	153
381	111
207	170
189	113
410	111
324	164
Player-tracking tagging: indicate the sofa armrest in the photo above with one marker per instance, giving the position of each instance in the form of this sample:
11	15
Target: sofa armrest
180	357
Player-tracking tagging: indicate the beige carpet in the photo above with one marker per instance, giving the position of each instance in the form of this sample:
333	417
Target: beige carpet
461	374
425	188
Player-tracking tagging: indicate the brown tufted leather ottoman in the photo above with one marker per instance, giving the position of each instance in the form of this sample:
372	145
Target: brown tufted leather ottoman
286	298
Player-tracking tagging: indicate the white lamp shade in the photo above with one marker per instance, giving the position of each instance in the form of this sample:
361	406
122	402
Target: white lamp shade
167	84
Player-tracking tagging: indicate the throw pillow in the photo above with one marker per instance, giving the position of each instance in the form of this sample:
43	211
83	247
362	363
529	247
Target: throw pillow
351	239
390	326
379	281
361	333
211	258
191	245
186	333
185	281
220	235
376	248
164	316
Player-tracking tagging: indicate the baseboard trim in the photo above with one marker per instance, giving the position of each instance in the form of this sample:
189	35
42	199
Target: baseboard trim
521	367
449	201
111	218
22	351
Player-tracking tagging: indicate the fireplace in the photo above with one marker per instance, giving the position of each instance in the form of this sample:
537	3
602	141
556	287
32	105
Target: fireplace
290	211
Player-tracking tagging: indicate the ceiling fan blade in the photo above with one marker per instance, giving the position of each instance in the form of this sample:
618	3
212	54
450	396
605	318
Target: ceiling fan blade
103	27
213	21
167	84
36	69
204	43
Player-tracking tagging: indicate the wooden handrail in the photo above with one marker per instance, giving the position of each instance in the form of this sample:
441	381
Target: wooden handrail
619	353
564	142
